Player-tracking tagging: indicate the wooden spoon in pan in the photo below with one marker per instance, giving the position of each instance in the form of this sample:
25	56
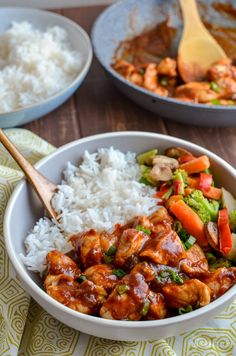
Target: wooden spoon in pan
198	50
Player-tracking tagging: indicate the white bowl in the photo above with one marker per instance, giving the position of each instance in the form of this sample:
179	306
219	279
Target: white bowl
24	209
79	42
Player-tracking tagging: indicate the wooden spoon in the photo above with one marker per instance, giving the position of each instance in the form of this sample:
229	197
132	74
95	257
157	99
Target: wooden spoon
42	186
198	50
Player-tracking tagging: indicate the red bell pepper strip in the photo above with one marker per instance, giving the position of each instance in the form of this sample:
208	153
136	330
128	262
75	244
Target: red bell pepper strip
185	158
225	237
205	182
178	187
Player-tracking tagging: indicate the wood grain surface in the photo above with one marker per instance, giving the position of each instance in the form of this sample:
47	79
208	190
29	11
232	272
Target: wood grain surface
99	107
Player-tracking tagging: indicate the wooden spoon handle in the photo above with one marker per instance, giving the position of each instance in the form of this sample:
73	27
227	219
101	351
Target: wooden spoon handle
190	15
43	187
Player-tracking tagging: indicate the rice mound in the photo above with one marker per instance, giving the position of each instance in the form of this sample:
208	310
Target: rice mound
34	65
103	191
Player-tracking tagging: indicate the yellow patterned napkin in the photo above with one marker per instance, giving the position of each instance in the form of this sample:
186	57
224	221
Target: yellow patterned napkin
26	329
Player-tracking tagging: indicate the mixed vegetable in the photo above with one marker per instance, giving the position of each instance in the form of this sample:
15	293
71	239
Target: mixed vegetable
172	262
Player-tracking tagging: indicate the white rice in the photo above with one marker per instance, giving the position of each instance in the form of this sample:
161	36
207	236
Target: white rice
103	191
34	65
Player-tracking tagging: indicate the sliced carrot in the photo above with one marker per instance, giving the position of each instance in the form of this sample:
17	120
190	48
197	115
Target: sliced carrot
190	220
188	191
172	200
213	193
196	165
193	182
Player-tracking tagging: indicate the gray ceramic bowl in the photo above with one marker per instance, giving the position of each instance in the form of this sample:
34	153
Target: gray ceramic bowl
24	210
79	42
128	18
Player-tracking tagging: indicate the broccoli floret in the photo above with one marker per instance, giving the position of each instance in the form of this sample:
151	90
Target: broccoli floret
232	220
182	175
206	209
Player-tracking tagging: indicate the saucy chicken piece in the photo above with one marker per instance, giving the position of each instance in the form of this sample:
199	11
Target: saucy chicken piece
162	221
190	292
150	77
127	300
221	69
143	221
130	243
58	263
227	88
166	249
85	297
195	263
157	307
107	241
88	298
61	287
88	247
167	67
101	275
161	91
220	280
199	92
146	269
124	68
136	78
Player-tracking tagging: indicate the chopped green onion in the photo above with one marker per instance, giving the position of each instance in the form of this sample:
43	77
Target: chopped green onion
141	228
122	289
188	309
168	193
81	278
215	101
190	242
145	309
145	173
210	258
177	279
142	71
144	181
177	226
164	82
169	273
214	86
111	251
107	259
119	272
146	157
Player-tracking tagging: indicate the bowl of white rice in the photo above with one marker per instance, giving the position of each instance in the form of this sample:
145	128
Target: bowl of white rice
44	58
98	186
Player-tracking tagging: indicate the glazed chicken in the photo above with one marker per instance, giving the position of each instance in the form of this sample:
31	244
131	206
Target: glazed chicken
161	278
195	264
127	300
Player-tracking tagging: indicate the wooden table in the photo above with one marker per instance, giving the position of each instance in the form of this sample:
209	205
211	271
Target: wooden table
99	107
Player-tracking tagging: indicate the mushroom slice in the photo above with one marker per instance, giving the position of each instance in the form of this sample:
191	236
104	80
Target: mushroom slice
176	152
165	161
161	173
212	234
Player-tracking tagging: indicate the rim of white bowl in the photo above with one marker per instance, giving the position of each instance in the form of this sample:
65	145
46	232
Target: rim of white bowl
97	320
86	62
98	22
